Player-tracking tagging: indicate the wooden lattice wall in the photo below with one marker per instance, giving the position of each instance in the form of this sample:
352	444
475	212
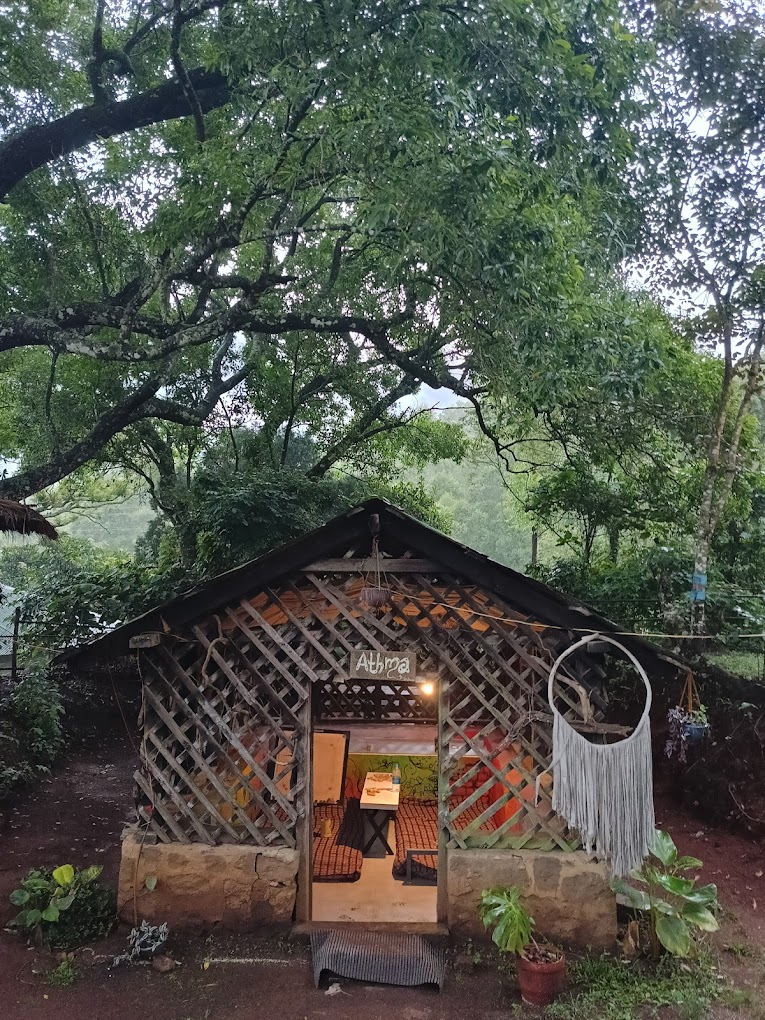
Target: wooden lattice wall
228	703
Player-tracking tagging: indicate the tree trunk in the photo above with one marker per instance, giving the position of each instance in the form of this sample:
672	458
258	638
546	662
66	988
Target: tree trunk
590	533
534	546
613	544
721	474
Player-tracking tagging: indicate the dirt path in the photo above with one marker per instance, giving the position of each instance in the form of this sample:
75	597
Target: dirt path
76	817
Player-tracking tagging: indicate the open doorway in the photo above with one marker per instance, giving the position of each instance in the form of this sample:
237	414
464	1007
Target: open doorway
375	841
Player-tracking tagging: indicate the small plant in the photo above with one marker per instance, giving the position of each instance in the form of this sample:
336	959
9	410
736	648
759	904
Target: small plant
688	722
675	904
144	943
540	968
64	907
513	925
64	975
685	728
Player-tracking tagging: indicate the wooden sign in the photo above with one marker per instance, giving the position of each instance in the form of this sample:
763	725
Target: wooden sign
149	640
374	665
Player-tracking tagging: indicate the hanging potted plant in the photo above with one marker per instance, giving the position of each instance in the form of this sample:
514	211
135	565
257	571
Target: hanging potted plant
540	967
688	723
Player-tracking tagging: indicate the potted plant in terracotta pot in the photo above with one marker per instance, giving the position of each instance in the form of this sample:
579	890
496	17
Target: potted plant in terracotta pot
540	967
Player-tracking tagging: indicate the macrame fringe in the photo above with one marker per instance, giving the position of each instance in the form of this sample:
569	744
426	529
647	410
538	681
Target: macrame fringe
605	791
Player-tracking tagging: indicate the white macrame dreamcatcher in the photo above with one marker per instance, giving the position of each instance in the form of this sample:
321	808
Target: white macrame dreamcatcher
605	791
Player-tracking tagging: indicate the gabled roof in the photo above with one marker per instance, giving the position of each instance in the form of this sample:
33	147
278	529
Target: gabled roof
397	529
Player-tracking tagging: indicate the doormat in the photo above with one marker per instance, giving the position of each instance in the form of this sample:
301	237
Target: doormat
375	956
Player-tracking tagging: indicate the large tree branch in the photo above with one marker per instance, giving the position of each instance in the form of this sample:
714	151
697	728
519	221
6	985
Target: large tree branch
364	426
113	421
143	403
39	144
66	331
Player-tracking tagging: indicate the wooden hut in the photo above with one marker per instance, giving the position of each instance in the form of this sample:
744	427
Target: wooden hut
374	623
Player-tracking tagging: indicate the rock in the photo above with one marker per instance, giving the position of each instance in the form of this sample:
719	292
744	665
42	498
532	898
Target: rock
164	964
464	962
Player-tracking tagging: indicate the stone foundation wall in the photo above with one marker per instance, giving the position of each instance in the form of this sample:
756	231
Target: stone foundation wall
568	895
239	888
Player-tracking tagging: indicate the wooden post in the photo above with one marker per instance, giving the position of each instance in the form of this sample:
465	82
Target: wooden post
444	735
15	643
304	827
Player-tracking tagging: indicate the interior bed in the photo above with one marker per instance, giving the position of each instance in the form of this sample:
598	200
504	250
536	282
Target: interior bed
417	829
339	857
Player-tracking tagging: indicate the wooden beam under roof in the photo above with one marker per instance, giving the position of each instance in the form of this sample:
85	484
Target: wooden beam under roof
370	564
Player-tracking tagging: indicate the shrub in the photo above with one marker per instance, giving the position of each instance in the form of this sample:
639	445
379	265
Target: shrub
35	706
64	908
63	976
675	904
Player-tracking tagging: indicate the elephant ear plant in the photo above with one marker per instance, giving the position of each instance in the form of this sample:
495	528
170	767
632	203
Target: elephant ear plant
674	903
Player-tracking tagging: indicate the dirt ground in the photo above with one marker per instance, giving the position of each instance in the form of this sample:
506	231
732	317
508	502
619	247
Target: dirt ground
76	816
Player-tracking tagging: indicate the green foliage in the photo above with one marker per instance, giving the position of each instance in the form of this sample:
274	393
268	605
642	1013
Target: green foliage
385	196
71	590
676	905
501	910
30	727
64	975
64	908
647	589
35	706
612	989
230	518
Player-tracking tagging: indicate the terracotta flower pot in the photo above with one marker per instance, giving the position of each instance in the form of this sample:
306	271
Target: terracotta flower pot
540	983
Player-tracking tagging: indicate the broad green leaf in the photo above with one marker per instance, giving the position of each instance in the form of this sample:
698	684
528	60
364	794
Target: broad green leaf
150	882
674	935
91	873
32	917
703	894
701	916
64	902
675	885
50	913
636	898
688	863
64	875
19	897
663	907
662	846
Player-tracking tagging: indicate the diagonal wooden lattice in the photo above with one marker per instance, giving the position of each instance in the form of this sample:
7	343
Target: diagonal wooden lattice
223	747
227	713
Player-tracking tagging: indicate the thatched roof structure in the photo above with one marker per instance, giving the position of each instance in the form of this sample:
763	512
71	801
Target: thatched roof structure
24	520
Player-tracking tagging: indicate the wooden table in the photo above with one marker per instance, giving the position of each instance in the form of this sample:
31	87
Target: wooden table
380	798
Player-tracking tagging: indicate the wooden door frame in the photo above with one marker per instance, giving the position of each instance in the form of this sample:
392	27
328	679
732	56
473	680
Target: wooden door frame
304	828
442	872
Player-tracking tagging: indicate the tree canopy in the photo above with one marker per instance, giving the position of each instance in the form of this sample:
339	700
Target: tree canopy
200	196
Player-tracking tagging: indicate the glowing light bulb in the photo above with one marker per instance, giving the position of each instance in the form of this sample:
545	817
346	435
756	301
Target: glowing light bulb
427	688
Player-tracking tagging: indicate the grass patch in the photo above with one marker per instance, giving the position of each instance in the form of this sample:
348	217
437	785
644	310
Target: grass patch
746	664
612	989
742	950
